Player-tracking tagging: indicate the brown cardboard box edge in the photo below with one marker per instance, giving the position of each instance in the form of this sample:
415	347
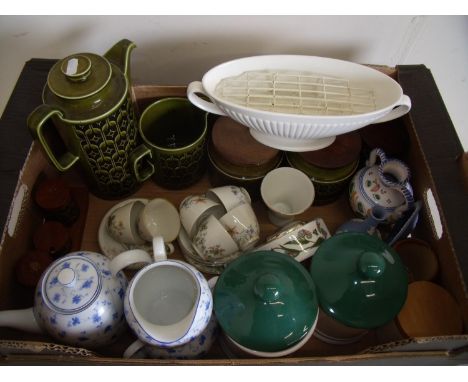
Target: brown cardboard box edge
458	275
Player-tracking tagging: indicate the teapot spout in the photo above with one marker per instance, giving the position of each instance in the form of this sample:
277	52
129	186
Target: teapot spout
119	55
22	319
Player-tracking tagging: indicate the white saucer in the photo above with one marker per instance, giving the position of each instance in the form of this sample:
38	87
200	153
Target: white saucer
109	246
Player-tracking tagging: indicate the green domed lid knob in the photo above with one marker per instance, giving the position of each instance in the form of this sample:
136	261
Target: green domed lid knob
265	301
360	280
267	287
371	265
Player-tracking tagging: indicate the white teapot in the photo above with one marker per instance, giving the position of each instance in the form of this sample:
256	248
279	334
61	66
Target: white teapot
79	299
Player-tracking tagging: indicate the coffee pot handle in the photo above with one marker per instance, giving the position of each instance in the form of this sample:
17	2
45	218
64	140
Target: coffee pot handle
142	170
36	122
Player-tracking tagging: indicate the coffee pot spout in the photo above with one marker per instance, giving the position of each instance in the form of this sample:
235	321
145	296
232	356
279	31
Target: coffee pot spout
22	319
119	55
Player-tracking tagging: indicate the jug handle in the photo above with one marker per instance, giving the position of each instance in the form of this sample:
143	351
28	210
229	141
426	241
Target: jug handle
377	152
133	348
127	258
197	87
36	122
141	171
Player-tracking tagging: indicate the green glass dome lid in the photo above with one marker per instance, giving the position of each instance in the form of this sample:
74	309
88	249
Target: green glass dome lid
360	280
79	75
265	301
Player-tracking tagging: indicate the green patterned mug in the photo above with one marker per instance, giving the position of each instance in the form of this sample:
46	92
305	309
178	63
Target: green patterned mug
174	149
87	99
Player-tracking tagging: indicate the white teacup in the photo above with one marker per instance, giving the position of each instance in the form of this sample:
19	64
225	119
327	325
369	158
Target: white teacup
122	224
159	218
229	196
287	192
195	208
299	240
213	243
242	224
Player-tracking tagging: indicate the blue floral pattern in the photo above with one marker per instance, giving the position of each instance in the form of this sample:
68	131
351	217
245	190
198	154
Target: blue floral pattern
203	311
87	311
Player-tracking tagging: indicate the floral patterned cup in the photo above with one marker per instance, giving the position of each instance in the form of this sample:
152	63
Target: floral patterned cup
194	209
212	242
242	224
298	240
229	196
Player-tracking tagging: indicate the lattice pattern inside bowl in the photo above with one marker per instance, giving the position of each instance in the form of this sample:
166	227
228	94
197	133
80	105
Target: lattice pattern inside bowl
296	92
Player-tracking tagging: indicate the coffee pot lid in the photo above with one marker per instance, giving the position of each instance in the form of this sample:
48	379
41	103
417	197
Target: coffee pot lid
360	280
265	301
79	75
71	284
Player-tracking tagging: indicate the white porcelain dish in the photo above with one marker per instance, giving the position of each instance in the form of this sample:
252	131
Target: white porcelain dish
295	131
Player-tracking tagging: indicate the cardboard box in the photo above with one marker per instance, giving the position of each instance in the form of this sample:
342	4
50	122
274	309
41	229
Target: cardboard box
432	155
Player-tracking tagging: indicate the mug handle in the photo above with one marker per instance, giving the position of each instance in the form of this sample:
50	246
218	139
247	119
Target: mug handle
403	107
133	348
127	258
35	122
142	172
197	87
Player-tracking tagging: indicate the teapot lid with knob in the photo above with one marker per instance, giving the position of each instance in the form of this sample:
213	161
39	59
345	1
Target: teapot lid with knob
85	86
265	301
361	281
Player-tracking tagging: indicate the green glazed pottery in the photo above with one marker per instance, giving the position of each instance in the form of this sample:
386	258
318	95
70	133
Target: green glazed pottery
361	281
88	101
265	301
174	149
331	168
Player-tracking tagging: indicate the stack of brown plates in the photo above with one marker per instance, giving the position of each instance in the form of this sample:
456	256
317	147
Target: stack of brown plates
331	168
237	158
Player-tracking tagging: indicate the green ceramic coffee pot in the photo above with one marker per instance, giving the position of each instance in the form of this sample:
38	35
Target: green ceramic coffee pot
87	99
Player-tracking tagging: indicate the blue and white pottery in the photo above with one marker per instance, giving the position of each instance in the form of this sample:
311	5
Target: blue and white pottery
385	184
79	300
377	215
196	348
168	303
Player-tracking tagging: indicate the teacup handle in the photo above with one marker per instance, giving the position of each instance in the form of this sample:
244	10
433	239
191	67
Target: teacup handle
197	87
133	348
142	170
127	258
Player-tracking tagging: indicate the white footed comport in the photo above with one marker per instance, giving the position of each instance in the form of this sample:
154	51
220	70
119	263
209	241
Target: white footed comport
299	103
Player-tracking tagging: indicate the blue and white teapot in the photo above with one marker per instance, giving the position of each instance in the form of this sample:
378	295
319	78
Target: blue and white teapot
79	299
